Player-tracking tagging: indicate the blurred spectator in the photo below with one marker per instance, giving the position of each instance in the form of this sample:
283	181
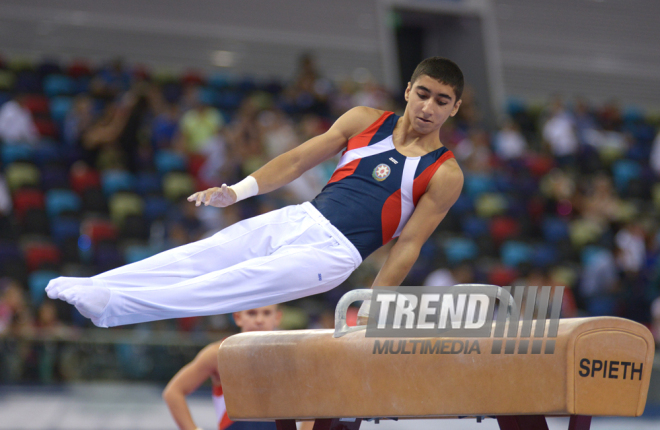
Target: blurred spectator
278	131
165	126
130	138
655	325
600	202
443	277
475	152
15	317
630	241
111	80
654	160
585	122
245	138
5	197
509	142
372	95
469	115
610	117
78	120
112	141
215	170
308	93
48	322
559	133
184	226
600	282
200	124
16	122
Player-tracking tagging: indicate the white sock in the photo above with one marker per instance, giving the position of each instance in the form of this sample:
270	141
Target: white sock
57	285
89	300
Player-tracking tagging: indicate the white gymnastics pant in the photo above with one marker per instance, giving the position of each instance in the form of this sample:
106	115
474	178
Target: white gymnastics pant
283	255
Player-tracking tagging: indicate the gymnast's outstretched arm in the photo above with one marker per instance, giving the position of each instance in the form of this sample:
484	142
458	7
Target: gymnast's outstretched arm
290	165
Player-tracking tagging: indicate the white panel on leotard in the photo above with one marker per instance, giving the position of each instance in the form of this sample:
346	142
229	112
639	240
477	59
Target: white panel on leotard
407	179
366	151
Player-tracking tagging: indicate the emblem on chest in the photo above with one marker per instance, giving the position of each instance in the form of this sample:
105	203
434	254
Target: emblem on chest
381	172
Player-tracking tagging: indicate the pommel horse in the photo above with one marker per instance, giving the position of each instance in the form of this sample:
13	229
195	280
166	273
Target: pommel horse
600	367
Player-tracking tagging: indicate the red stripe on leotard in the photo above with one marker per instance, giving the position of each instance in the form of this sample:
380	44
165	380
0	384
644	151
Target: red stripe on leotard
421	182
359	141
391	215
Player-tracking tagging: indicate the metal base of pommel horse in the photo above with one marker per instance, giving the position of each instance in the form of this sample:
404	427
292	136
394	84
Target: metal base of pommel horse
595	367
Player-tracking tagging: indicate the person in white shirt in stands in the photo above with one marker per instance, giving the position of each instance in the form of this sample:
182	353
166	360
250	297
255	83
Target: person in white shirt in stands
16	122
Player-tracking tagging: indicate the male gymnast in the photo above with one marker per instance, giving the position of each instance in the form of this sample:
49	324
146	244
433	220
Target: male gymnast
394	179
205	366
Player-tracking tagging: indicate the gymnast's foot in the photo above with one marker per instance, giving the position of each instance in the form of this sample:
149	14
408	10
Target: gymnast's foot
58	285
90	300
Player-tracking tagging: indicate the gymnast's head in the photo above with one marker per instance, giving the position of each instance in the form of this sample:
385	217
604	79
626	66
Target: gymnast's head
433	94
442	70
265	318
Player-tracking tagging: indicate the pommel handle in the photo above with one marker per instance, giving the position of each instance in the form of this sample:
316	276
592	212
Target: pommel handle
342	307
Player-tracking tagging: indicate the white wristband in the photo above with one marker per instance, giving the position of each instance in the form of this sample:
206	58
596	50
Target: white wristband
364	309
248	187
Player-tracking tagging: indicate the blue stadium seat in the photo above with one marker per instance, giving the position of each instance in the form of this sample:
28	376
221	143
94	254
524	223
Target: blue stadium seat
168	161
62	228
117	180
514	253
463	204
147	183
58	85
624	171
545	255
27	82
208	96
54	176
555	229
107	256
476	184
229	100
155	207
475	227
9	251
60	107
81	85
460	249
61	200
47	151
219	80
12	152
590	252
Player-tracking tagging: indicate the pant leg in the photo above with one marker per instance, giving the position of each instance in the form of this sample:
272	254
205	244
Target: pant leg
314	262
251	238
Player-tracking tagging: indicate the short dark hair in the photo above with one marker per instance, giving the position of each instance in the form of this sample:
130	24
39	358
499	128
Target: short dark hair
442	70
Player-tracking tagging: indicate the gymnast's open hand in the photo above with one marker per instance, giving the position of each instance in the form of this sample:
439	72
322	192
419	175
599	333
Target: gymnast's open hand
219	197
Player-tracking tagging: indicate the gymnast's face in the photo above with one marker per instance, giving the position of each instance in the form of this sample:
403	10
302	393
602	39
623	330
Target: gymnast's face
430	103
260	319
